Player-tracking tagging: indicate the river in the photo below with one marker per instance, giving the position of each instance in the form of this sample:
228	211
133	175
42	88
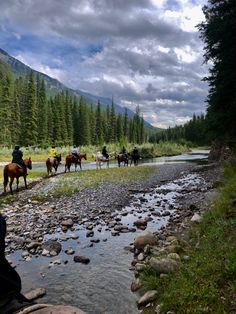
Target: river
103	285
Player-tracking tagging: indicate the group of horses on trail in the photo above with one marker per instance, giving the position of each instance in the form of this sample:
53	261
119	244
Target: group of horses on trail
53	162
14	170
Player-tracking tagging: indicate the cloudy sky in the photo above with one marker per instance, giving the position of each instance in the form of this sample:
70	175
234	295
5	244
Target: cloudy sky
143	52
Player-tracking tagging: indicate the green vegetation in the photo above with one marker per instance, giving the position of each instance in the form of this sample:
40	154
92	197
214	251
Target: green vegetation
218	34
207	282
30	116
192	133
75	182
147	150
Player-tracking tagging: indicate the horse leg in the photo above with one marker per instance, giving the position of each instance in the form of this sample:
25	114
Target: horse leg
25	182
10	185
5	183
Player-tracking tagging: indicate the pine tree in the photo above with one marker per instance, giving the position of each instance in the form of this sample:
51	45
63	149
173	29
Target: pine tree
30	114
218	32
42	112
6	109
98	125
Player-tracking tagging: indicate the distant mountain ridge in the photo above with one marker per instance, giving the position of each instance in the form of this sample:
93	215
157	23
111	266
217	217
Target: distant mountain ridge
54	86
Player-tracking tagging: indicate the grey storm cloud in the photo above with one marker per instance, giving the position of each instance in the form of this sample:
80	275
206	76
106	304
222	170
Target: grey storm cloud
122	48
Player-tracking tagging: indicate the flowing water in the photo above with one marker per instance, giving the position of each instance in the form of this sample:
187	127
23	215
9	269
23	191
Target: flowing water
103	285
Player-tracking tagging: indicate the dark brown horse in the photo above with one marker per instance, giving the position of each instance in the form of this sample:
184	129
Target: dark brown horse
72	159
13	171
123	158
134	157
53	162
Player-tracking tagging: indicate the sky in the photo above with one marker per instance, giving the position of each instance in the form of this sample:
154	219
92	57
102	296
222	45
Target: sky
144	53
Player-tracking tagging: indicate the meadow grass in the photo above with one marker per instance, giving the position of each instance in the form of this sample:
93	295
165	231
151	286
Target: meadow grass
147	150
74	182
207	282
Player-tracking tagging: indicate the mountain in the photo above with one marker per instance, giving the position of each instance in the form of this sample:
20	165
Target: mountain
54	86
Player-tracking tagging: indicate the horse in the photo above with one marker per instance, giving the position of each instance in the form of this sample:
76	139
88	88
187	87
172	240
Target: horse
53	162
134	157
99	158
72	159
13	171
123	158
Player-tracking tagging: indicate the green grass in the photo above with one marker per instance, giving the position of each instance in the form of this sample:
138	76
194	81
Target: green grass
207	283
75	182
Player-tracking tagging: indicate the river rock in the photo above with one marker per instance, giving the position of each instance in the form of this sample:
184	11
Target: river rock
164	265
143	239
196	218
52	246
135	285
33	245
36	293
52	309
67	223
81	259
149	296
174	256
140	223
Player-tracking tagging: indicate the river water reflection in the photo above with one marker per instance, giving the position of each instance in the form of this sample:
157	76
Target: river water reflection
103	285
194	155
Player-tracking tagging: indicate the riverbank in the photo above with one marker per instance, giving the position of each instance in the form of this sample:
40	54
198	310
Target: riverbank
203	251
69	208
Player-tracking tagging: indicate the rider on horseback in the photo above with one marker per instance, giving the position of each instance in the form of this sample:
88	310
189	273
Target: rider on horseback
75	152
53	153
105	153
123	150
17	158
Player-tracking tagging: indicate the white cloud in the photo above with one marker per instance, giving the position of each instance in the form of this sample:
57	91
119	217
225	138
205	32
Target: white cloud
143	52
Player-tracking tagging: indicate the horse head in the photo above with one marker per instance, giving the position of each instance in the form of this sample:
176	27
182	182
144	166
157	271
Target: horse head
58	158
28	163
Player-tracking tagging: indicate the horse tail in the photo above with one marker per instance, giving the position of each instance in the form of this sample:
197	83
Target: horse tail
5	176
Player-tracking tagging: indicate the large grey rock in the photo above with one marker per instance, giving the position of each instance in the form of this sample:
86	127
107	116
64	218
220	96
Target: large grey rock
36	293
52	246
149	296
50	309
164	265
143	239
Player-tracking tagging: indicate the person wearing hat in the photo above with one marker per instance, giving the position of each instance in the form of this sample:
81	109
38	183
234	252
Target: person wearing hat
17	158
75	152
53	152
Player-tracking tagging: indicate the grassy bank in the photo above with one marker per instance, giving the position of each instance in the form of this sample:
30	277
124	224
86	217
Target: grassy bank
74	182
146	150
207	282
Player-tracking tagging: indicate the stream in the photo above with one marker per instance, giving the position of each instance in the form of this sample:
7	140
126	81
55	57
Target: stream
103	285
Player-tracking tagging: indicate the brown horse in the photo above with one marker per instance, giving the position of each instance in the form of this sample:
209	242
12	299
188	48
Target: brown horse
123	158
53	162
134	157
13	171
72	159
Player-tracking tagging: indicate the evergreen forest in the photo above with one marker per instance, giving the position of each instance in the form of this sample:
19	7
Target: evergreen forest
29	116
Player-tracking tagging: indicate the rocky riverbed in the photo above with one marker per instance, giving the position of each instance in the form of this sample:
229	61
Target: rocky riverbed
99	215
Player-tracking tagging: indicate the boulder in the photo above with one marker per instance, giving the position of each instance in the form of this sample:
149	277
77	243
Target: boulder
50	309
81	259
35	294
143	239
52	246
148	297
164	265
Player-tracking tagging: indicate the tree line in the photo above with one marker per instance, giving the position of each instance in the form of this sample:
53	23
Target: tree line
218	33
28	116
192	132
